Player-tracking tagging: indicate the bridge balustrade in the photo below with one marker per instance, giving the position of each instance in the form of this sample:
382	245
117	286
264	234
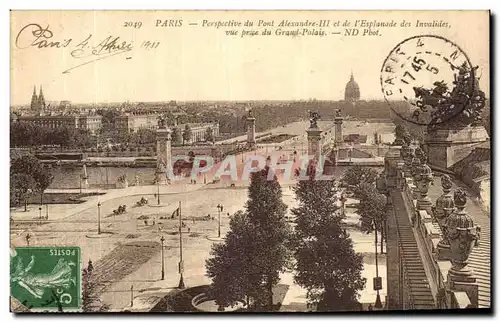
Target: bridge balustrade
427	244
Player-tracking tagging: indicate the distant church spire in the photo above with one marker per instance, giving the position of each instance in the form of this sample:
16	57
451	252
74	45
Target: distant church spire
41	99
34	99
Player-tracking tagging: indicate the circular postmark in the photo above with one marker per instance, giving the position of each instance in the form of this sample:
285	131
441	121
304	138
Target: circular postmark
427	79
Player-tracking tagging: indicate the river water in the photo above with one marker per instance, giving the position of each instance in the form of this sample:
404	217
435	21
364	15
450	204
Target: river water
69	177
99	176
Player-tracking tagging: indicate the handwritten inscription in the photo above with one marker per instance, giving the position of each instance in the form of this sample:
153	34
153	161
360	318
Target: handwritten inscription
35	36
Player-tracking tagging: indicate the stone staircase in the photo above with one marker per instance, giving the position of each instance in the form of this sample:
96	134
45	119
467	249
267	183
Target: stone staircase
480	258
414	268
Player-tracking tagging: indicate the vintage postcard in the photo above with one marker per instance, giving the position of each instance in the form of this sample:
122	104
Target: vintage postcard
250	161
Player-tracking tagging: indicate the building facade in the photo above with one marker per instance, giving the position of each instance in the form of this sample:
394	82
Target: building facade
199	131
133	121
87	122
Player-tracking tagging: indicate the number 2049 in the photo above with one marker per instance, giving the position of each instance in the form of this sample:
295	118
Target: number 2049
133	24
62	252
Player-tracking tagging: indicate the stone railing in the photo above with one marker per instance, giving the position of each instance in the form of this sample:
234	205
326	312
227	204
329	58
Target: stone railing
444	232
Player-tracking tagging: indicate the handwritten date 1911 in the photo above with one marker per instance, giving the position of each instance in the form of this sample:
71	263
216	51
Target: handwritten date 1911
150	44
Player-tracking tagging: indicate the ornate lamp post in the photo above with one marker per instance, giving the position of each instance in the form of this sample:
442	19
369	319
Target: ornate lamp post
220	208
377	281
40	214
162	239
158	190
98	217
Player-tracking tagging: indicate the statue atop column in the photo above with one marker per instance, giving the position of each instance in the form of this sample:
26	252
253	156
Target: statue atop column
313	119
162	122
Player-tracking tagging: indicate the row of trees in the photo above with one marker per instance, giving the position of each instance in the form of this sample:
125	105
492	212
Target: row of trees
261	244
23	134
27	176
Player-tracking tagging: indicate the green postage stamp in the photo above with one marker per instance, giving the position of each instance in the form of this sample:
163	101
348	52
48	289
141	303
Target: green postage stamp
46	277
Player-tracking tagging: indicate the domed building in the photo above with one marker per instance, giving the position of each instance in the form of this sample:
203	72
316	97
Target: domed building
351	90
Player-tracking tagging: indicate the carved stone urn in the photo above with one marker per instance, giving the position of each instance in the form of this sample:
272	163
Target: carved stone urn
423	178
445	201
462	235
408	155
443	247
415	167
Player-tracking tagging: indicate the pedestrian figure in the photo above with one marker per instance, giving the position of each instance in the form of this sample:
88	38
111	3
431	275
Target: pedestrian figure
193	220
145	222
28	237
154	222
90	267
189	229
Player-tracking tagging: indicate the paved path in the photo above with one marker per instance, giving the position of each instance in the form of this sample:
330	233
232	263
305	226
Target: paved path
61	211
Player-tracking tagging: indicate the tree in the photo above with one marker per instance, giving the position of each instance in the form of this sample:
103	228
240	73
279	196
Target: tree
21	185
231	282
41	178
209	134
354	175
90	291
176	136
371	210
327	265
258	242
187	134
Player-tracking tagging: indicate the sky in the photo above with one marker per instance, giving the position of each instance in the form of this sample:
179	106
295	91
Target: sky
203	63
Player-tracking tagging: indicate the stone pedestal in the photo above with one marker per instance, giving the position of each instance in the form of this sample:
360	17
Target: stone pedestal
314	142
85	182
164	151
445	147
161	177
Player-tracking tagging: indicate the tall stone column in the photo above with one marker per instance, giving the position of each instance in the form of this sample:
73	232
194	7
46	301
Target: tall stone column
338	129
314	142
250	129
163	152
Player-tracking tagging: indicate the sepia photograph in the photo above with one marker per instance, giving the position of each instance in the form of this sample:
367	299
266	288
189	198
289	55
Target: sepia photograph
250	161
